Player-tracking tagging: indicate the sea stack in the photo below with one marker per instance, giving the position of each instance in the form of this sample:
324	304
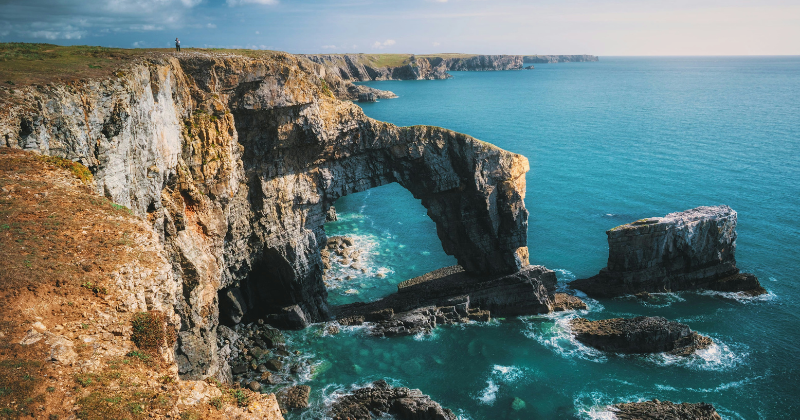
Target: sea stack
690	250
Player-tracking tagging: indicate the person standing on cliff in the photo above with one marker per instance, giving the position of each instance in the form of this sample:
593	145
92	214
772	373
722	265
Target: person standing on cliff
177	45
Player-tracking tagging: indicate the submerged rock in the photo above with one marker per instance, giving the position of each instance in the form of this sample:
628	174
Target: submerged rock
294	397
381	399
690	250
658	410
639	335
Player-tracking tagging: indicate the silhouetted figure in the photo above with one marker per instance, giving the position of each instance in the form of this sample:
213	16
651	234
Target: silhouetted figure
177	45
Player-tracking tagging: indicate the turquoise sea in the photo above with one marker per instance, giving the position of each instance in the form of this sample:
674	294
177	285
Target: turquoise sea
608	142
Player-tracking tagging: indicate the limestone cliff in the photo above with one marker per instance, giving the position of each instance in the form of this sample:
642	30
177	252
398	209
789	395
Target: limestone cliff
235	161
694	249
559	58
361	67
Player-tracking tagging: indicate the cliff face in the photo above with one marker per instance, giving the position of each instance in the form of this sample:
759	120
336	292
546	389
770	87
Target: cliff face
559	58
358	67
235	161
694	249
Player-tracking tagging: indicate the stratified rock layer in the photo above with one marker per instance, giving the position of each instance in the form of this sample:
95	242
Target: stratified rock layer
694	249
236	161
662	410
451	295
639	335
381	399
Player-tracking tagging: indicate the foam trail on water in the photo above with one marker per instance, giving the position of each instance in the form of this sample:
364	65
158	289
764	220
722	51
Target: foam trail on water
489	394
553	331
509	375
741	297
717	357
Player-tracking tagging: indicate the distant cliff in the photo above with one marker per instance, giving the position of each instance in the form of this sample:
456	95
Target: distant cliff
368	67
559	58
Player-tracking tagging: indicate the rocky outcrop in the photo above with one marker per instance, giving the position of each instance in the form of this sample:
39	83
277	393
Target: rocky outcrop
559	58
639	335
450	295
380	399
365	67
477	62
235	162
657	410
690	250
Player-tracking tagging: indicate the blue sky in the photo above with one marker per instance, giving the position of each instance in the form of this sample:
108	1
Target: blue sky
625	27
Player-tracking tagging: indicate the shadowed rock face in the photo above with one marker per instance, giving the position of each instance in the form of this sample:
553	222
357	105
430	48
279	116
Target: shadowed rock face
694	249
639	335
657	410
236	161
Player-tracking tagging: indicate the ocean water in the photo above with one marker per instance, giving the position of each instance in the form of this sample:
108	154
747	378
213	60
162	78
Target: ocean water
608	142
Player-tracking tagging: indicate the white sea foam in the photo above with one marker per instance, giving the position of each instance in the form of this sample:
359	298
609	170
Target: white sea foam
740	297
717	357
336	276
596	405
498	376
553	331
489	394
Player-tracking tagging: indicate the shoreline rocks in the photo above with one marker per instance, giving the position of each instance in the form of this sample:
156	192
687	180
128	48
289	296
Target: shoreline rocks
381	398
656	410
639	335
689	250
450	295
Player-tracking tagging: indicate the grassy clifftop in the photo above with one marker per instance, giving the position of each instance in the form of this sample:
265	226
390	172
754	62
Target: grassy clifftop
25	64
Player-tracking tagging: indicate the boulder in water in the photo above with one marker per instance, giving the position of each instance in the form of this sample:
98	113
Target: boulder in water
639	335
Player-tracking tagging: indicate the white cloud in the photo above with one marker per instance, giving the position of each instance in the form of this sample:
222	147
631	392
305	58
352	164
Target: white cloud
57	34
329	47
381	45
233	3
258	33
436	44
211	26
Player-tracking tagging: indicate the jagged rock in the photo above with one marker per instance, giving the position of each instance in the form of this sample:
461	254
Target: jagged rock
694	249
367	97
232	306
274	364
235	162
658	410
254	386
381	398
330	216
639	335
565	302
293	397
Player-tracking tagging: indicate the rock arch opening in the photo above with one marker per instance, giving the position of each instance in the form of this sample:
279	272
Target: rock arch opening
381	237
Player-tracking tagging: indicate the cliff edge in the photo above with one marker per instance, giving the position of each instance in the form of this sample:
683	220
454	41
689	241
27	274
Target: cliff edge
234	161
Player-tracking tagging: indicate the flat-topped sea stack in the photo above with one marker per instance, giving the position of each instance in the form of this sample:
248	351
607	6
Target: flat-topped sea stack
690	250
662	410
639	335
452	295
